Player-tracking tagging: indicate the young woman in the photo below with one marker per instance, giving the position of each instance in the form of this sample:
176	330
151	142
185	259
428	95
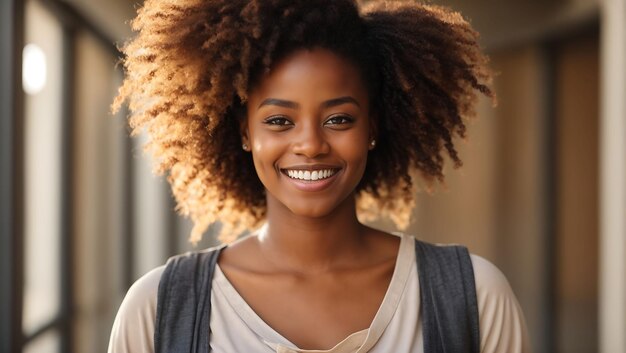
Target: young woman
290	118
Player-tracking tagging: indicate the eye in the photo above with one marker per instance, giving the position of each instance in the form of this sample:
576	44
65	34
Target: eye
339	121
277	120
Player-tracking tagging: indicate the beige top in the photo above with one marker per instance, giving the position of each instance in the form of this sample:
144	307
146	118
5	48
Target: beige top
397	326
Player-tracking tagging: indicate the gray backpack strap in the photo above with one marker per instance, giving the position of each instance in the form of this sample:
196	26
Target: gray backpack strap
448	299
184	303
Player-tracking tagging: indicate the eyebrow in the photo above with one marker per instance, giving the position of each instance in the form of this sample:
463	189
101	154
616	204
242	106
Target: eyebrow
293	105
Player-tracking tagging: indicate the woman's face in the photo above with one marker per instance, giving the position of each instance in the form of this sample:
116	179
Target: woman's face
309	131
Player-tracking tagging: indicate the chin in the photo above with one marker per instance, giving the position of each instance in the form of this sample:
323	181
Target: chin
311	212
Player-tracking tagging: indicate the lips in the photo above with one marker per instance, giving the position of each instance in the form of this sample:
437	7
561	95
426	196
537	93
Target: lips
311	178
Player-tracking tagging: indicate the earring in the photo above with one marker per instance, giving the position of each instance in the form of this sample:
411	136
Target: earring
245	147
372	144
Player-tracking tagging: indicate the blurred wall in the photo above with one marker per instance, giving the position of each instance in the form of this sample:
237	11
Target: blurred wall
577	237
43	125
99	202
512	23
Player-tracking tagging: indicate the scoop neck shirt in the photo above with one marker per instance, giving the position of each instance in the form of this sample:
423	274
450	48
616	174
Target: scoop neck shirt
227	298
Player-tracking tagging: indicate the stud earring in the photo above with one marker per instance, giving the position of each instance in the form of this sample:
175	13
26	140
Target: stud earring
244	147
372	144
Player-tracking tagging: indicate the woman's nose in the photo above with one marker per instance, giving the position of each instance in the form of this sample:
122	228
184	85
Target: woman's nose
310	141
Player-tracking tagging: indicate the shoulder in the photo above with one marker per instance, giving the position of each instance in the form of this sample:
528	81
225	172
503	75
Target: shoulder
143	293
133	328
490	281
501	321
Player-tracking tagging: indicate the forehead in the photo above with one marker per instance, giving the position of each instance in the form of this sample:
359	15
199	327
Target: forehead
309	75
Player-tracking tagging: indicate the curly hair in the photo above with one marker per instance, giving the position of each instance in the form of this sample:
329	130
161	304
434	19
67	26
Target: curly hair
193	62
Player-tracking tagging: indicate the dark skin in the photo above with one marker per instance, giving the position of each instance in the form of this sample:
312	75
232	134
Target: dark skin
313	273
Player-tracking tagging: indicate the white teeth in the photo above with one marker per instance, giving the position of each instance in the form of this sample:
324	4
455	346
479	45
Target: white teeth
310	175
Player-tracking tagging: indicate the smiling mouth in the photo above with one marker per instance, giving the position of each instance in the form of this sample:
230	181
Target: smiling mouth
310	175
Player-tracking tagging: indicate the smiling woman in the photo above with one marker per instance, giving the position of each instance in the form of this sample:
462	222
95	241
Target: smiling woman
290	118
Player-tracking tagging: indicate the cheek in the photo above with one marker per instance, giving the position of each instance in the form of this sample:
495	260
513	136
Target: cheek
354	150
265	153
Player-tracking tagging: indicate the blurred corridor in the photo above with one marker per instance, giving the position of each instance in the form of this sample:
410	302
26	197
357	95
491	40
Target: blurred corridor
542	193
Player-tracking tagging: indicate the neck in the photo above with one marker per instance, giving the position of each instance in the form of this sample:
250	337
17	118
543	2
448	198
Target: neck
311	245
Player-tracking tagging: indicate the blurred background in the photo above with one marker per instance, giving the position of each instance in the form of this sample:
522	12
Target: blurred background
542	193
